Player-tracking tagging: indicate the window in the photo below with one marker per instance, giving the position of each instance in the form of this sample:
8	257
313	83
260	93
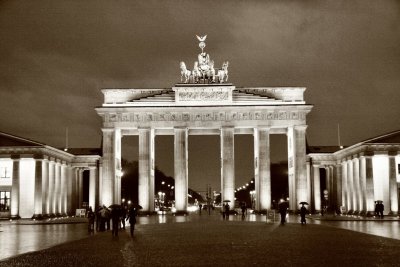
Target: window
5	200
5	172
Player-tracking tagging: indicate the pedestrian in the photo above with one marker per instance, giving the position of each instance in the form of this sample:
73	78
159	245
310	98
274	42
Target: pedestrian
98	219
115	214
90	215
123	217
303	212
132	219
282	211
244	209
227	208
381	208
200	207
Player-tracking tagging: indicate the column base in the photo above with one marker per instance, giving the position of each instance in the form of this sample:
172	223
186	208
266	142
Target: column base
15	217
146	213
37	217
181	213
393	213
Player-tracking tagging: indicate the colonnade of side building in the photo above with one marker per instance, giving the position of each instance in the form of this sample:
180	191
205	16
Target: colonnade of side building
46	186
355	181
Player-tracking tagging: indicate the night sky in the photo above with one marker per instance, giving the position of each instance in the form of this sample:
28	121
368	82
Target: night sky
55	56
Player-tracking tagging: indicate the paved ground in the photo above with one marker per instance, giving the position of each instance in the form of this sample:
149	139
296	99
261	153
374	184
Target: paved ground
209	241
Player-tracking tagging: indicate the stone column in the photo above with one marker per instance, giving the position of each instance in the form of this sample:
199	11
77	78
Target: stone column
52	171
369	181
80	188
15	189
394	208
262	169
309	184
118	166
38	188
108	170
351	198
363	184
228	166
357	189
338	185
344	186
299	133
45	187
57	189
92	187
146	169
70	201
63	188
317	188
181	168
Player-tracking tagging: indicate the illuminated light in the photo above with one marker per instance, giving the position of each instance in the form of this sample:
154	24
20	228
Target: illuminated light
247	184
162	182
173	209
123	200
251	182
192	208
129	202
172	187
169	185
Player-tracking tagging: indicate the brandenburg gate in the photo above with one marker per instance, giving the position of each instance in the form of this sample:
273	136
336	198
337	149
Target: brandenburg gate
204	103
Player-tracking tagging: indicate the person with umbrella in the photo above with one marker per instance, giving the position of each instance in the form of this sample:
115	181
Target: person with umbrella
283	206
303	212
132	213
226	209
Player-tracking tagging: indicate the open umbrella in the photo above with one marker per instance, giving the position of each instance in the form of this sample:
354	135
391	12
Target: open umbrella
304	203
115	206
138	207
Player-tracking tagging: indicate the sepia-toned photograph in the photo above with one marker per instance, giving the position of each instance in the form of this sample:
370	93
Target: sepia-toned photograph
199	133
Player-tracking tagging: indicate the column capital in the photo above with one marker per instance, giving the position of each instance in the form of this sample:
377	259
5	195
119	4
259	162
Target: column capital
393	153
107	130
300	127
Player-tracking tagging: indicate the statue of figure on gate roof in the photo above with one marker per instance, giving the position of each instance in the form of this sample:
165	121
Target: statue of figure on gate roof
203	70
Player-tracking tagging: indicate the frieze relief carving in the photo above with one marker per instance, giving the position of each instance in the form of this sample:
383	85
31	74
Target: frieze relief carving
205	116
203	96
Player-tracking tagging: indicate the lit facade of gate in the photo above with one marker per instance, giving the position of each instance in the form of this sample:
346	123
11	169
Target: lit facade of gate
204	109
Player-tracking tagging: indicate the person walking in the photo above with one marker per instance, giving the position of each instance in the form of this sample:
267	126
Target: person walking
123	217
303	212
115	214
227	208
90	216
282	211
244	209
132	219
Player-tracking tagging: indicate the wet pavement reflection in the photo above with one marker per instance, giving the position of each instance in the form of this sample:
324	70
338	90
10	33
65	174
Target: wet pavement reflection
390	229
17	239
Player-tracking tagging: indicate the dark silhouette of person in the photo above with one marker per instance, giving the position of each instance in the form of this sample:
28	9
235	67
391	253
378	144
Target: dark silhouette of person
282	211
90	216
200	207
99	220
132	219
115	214
381	208
303	212
123	217
244	209
376	208
227	208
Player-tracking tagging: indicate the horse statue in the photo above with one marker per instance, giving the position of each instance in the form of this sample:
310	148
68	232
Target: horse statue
196	72
185	73
223	72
